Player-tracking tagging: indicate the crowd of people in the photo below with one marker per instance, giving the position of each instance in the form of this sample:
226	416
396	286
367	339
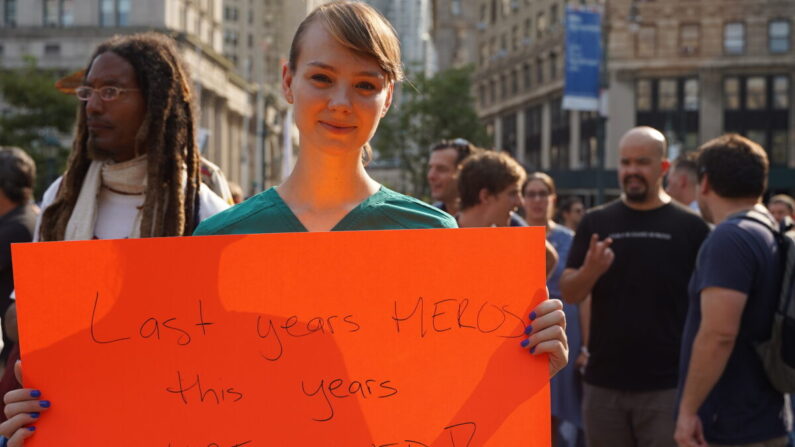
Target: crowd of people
657	299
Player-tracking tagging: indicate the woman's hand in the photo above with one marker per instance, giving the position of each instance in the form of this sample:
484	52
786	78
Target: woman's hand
22	407
547	334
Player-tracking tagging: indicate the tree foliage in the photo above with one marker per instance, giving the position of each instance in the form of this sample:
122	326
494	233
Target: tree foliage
36	117
428	109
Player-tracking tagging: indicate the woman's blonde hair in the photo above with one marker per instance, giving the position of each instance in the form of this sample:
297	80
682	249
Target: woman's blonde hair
357	26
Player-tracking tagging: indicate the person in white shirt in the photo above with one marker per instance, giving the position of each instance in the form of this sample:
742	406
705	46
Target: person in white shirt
134	170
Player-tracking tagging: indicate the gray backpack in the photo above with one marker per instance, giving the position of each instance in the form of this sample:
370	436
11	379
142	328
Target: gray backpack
778	352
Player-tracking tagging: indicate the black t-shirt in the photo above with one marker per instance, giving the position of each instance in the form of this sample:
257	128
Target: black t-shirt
15	226
639	305
743	407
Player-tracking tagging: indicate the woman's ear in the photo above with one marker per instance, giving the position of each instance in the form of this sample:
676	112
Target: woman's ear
390	90
287	83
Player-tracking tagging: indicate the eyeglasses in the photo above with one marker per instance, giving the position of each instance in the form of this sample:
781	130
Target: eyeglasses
458	143
108	93
533	195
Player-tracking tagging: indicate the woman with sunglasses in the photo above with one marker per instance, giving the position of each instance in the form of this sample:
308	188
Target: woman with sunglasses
539	195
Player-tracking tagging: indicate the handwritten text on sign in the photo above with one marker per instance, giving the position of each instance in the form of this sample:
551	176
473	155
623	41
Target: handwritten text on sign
371	339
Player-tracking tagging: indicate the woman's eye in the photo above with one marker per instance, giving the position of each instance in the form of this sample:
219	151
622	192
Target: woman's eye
366	86
321	78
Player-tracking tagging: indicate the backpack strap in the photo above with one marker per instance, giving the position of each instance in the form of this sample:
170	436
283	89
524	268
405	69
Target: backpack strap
787	288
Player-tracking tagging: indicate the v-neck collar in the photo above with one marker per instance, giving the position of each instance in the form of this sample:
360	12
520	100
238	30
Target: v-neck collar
346	223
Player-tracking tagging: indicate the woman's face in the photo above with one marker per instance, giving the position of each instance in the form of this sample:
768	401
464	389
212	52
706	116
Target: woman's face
338	96
537	201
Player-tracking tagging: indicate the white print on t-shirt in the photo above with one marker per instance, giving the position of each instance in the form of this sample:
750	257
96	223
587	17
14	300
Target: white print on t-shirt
641	235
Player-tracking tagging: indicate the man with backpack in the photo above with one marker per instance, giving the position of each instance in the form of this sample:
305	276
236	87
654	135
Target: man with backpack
729	396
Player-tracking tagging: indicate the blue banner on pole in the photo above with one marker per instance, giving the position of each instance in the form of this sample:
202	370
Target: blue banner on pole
583	59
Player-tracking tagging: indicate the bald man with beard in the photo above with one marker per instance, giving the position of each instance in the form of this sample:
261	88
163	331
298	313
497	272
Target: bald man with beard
634	256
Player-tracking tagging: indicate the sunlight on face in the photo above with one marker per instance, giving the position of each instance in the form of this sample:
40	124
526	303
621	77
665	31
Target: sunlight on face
339	96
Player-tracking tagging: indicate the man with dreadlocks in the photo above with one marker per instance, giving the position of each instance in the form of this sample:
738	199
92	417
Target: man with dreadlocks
134	170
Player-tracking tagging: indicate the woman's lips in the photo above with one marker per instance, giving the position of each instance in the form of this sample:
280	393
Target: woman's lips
337	128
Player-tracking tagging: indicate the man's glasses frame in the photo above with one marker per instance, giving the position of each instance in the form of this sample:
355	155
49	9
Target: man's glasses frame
107	93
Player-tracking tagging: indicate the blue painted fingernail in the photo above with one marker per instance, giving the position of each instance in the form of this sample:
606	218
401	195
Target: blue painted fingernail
35	393
528	330
44	403
32	428
533	350
525	342
34	415
533	315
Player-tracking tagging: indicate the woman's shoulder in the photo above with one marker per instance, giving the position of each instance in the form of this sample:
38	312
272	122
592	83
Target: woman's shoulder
407	212
238	219
561	231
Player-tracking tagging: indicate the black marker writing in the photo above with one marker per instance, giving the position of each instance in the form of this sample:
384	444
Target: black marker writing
204	394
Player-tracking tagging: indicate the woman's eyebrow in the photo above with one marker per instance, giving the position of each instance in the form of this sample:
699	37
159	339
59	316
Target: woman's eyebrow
324	66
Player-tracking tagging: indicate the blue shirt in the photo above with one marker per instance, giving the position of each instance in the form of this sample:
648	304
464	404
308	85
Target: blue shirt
560	237
743	407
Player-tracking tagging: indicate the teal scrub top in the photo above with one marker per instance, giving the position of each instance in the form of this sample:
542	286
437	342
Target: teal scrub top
268	213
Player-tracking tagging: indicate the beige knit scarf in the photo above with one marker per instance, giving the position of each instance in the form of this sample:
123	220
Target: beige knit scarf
128	177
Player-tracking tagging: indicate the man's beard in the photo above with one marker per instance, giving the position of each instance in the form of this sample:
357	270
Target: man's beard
638	196
96	153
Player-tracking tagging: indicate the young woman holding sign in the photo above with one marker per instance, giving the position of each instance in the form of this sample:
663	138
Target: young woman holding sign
344	63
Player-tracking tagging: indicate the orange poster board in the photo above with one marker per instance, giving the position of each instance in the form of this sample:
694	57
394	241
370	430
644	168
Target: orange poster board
350	339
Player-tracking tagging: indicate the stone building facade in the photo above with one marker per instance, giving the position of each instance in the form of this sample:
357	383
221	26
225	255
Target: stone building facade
698	69
692	69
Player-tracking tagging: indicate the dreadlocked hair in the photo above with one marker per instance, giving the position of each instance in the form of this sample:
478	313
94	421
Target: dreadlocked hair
167	134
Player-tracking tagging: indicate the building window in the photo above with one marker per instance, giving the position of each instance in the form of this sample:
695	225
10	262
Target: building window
671	104
541	25
589	123
526	74
560	135
515	38
691	94
689	39
668	94
114	13
509	132
646	44
643	95
731	93
51	13
528	30
553	16
482	95
67	12
52	49
756	93
734	38
514	82
123	11
778	35
553	66
539	71
494	12
781	92
533	137
10	13
779	147
759	109
455	7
